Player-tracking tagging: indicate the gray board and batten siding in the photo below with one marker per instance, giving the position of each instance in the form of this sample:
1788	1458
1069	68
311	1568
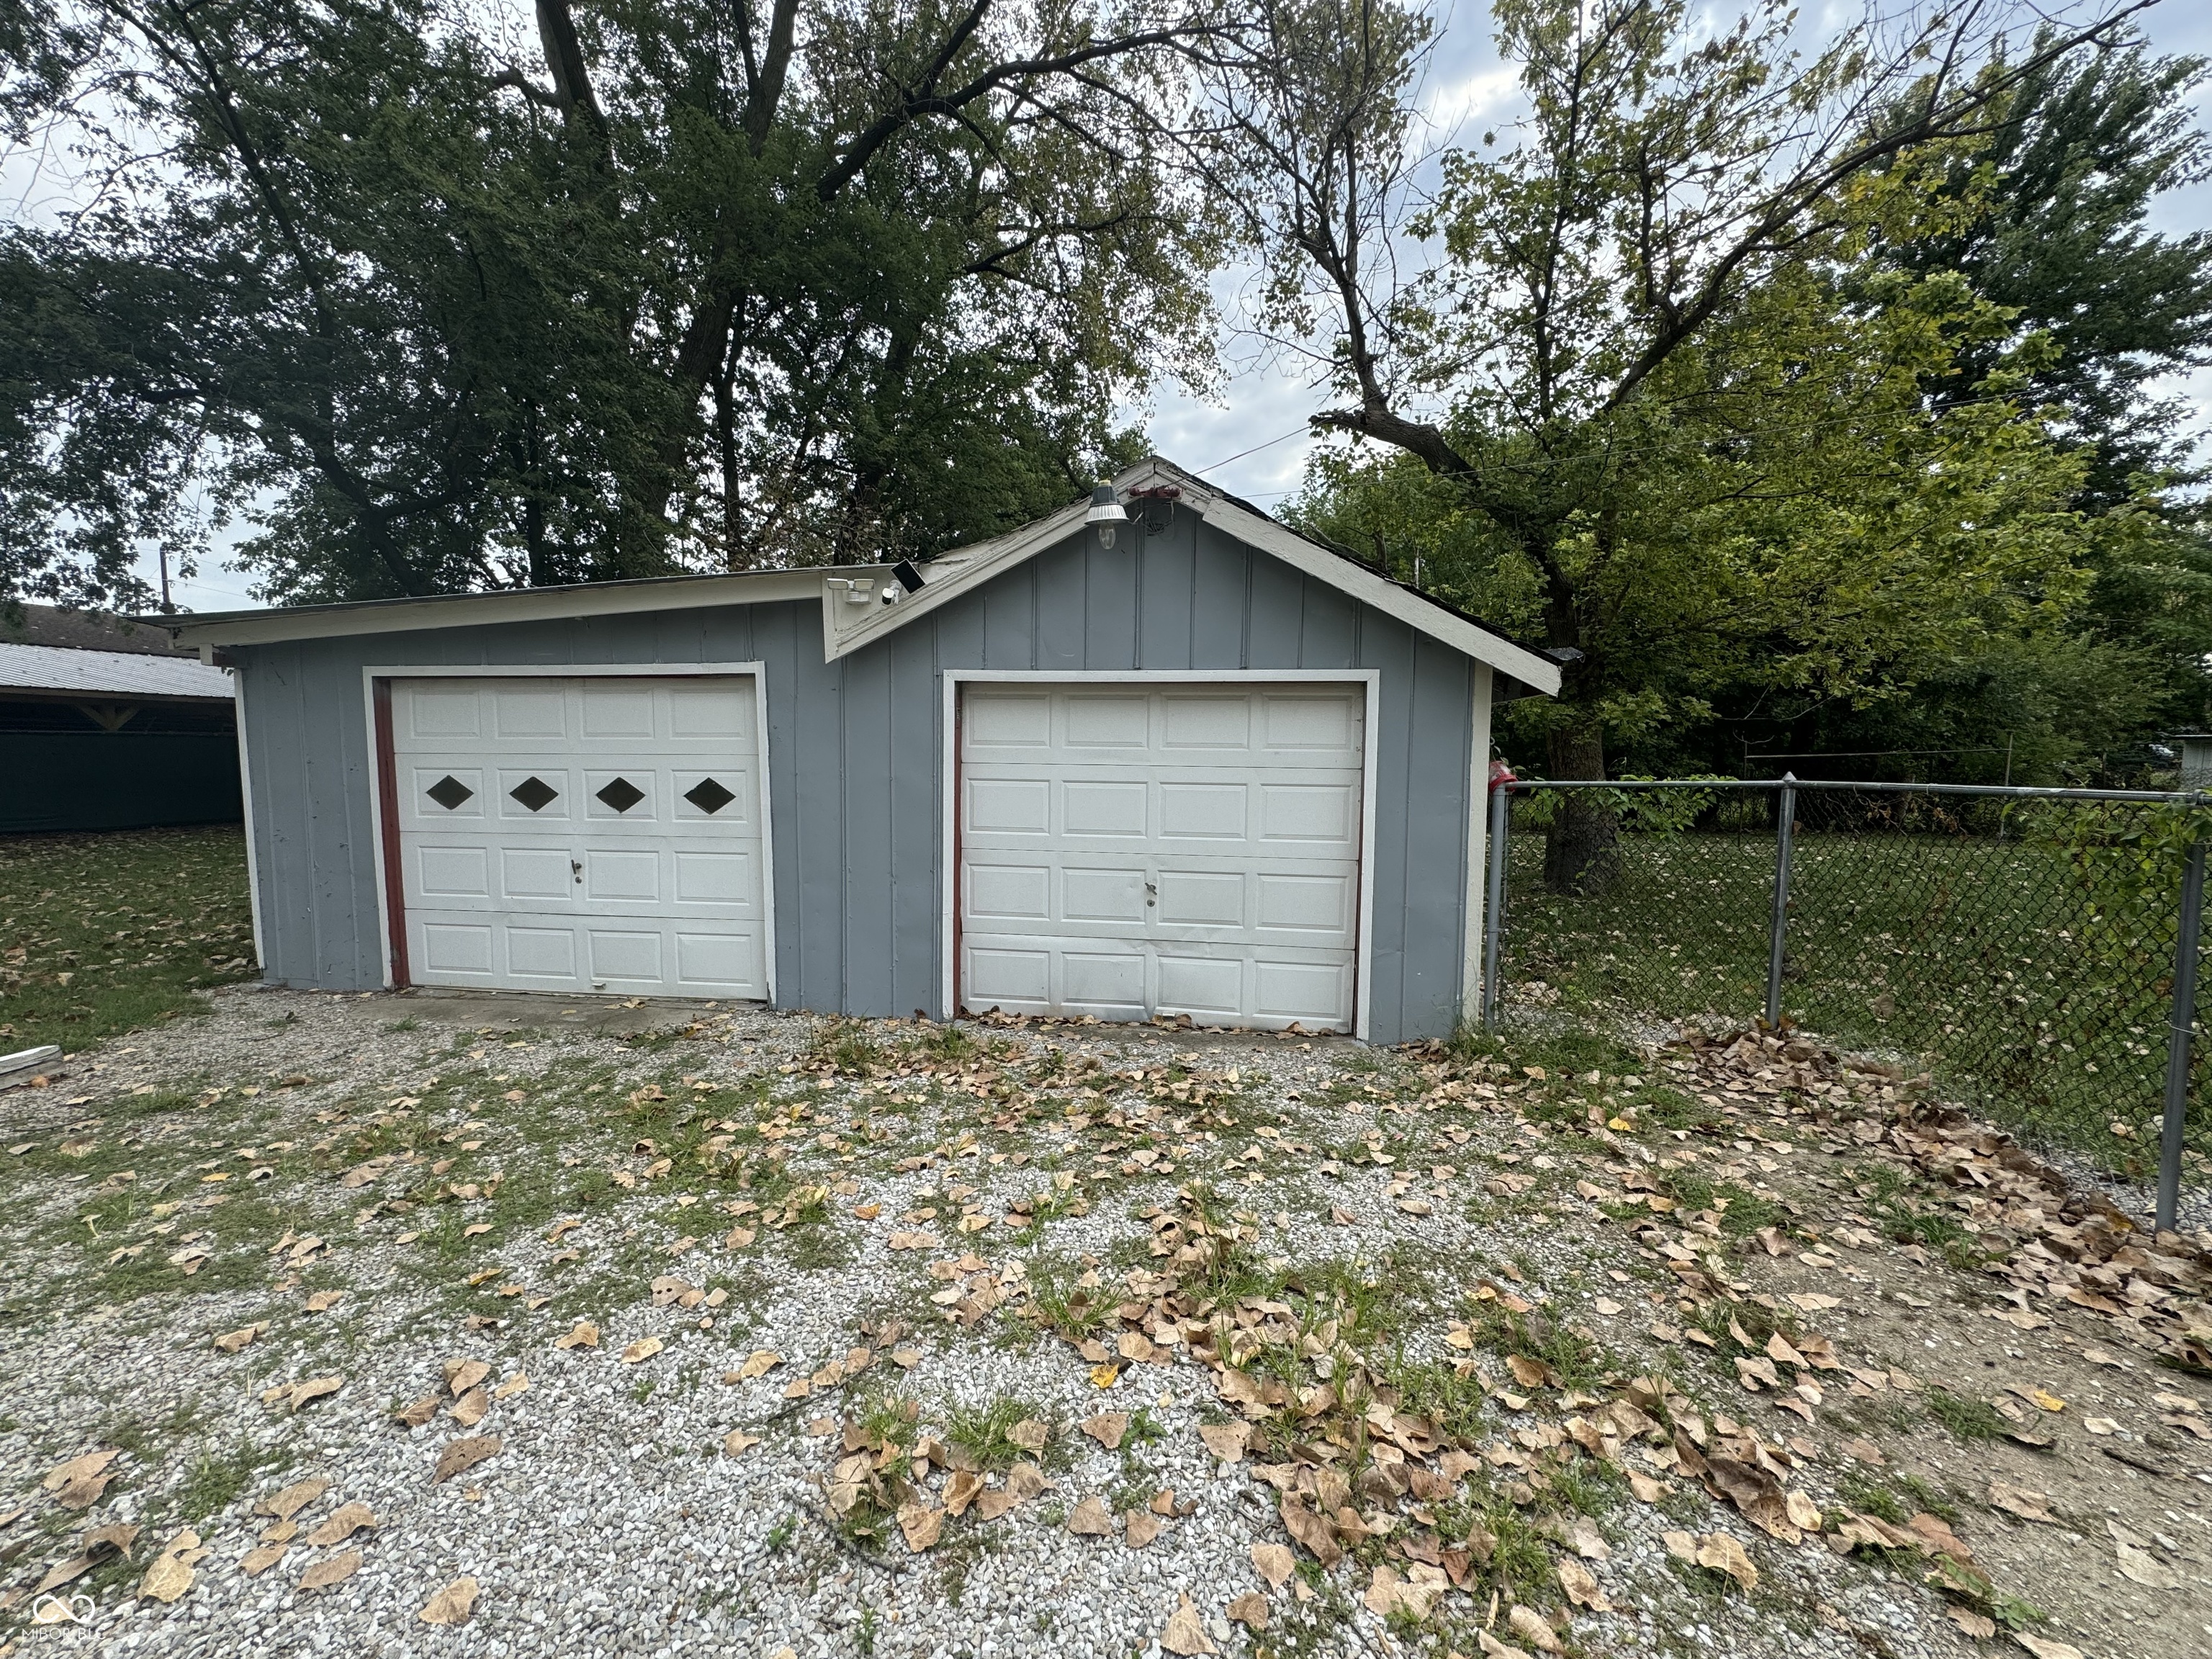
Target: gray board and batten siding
855	745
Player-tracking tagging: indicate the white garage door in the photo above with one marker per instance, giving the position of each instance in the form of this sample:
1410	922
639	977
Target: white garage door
595	834
1126	851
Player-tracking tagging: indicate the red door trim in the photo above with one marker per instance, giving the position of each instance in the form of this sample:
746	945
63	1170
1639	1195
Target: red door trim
959	702
395	885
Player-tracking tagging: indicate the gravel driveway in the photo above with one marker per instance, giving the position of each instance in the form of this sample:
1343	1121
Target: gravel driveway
411	1326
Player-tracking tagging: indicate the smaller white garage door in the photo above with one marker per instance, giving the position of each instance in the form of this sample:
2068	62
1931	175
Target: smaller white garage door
592	834
1126	851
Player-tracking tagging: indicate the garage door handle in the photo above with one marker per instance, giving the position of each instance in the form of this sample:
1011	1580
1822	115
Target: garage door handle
1152	894
576	869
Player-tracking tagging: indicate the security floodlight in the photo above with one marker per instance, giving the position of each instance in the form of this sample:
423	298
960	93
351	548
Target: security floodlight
1105	512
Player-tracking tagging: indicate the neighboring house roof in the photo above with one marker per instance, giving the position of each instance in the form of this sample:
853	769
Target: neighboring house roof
85	631
62	671
945	578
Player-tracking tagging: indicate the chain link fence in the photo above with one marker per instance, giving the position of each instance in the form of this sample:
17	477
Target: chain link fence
2021	946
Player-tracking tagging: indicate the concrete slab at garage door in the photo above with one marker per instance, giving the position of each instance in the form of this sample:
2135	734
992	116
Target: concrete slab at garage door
582	834
1131	849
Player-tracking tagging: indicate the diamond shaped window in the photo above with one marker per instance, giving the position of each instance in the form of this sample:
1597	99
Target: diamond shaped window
709	796
449	791
534	792
621	794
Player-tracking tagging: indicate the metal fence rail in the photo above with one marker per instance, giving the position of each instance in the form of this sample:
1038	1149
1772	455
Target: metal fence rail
2034	950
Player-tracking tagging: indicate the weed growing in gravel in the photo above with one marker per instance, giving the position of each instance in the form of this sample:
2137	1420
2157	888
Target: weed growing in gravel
1742	1212
988	1434
1967	1419
216	1481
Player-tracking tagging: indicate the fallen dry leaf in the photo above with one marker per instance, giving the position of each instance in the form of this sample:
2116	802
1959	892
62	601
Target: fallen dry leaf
642	1349
1275	1562
1107	1428
1979	1626
460	1455
1184	1634
1532	1627
1141	1528
2043	1648
1091	1520
760	1363
78	1484
262	1557
469	1410
335	1570
963	1488
2018	1500
171	1575
1722	1553
1250	1611
921	1525
288	1502
462	1374
324	1301
232	1341
349	1519
737	1441
1029	1434
1226	1441
416	1415
585	1335
1491	1648
1581	1587
452	1605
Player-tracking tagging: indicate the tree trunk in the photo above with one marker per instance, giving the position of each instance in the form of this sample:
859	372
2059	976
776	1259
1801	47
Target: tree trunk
1579	849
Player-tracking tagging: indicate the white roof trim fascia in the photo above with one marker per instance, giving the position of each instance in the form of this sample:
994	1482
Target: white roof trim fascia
1538	674
951	576
517	605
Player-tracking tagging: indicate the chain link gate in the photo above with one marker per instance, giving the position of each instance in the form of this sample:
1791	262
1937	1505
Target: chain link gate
2035	950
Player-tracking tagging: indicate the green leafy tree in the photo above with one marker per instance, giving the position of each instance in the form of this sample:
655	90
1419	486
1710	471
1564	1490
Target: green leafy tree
682	285
1669	404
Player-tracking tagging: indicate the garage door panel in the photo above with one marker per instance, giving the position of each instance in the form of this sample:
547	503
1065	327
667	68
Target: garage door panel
536	875
1020	892
1319	814
618	709
542	953
717	879
1309	992
449	947
441	794
1202	987
1196	898
453	872
1092	980
604	833
1107	722
1011	978
435	715
1314	905
520	713
1204	812
1212	723
1196	838
1007	806
1097	808
1305	724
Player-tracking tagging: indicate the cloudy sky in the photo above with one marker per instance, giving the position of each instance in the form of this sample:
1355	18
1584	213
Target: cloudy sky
1250	436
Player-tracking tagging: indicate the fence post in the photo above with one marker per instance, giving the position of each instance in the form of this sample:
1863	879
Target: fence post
1778	927
2178	1035
1493	913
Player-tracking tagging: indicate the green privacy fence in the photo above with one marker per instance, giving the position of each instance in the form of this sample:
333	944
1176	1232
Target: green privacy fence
117	779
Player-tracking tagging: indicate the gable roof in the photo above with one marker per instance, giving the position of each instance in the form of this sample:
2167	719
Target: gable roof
965	569
846	627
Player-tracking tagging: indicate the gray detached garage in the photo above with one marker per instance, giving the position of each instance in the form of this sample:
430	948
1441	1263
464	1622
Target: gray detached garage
1159	757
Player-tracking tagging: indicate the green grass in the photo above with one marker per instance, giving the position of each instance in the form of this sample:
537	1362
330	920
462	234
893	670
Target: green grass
1967	1419
137	920
2029	975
